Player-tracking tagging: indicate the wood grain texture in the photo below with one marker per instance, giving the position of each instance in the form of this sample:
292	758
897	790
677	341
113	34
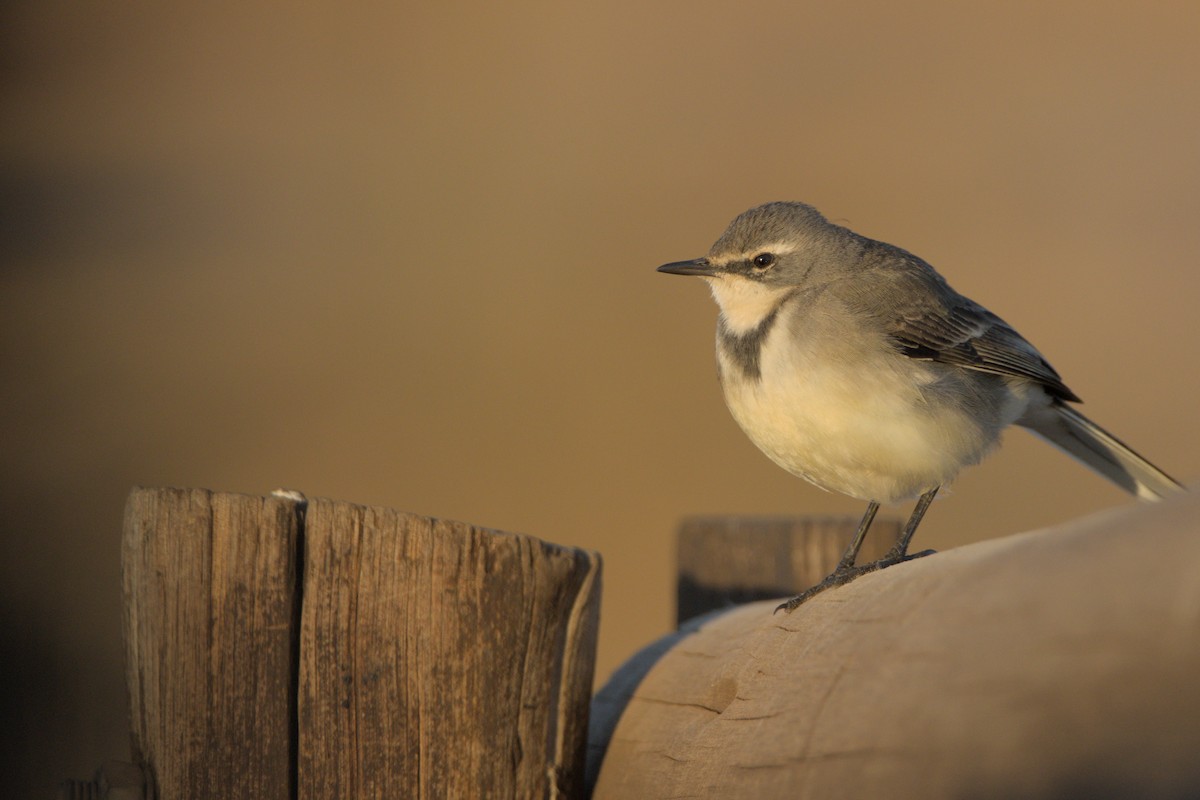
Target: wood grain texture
726	561
441	660
210	599
1058	663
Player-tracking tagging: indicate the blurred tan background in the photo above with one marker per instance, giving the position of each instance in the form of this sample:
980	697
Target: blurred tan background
405	255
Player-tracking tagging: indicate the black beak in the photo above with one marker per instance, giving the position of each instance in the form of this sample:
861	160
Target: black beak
697	266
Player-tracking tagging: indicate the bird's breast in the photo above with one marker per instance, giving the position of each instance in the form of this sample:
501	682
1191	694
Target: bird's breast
840	408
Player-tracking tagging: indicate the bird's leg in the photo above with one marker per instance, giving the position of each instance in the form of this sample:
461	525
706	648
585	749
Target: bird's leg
899	551
846	571
856	543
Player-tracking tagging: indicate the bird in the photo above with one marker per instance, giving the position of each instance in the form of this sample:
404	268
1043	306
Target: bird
852	363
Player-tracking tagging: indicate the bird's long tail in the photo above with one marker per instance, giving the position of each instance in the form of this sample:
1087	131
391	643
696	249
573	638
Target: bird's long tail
1078	436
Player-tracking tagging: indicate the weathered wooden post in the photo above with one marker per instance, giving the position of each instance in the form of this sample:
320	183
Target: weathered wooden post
350	651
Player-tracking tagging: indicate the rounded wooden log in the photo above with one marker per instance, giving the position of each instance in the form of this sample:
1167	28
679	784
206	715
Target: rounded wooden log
725	561
730	560
1058	663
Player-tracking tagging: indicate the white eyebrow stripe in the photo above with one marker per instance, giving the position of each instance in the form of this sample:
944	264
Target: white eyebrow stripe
776	248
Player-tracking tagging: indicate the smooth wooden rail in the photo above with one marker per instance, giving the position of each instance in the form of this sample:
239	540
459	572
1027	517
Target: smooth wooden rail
1057	663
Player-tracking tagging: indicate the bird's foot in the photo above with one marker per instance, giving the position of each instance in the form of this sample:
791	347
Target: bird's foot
896	558
844	574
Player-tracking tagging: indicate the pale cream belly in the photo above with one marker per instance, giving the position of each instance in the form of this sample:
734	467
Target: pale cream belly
868	432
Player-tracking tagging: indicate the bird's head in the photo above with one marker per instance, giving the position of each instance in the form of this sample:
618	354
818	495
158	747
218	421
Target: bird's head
765	254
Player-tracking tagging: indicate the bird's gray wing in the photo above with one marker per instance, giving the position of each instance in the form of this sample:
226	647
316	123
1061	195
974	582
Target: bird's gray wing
929	321
970	336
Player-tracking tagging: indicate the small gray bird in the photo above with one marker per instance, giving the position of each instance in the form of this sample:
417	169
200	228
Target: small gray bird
853	364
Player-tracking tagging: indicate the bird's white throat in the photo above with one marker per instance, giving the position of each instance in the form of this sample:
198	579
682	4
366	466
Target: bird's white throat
745	303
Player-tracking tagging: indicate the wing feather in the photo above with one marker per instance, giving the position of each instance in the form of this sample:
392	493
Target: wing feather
929	321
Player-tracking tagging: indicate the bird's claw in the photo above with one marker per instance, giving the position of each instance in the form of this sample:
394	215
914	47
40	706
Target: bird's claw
844	574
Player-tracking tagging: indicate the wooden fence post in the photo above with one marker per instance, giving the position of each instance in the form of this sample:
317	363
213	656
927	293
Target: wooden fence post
351	651
727	561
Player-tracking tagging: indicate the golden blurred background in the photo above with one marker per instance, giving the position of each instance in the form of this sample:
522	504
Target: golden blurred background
404	255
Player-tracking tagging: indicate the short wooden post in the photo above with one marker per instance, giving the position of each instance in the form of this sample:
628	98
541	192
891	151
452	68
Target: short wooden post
727	561
350	651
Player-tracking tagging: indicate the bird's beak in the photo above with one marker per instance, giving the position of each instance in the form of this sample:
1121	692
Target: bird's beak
697	266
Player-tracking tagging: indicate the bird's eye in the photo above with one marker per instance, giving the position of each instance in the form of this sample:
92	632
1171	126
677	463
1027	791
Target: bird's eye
763	260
